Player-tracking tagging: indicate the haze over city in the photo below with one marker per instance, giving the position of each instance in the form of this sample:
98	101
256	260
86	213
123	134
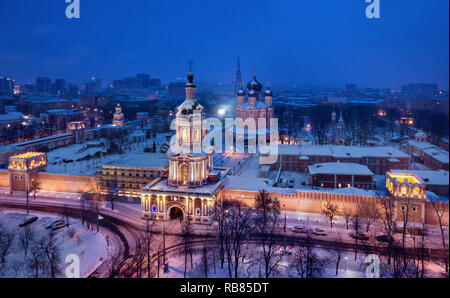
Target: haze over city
324	43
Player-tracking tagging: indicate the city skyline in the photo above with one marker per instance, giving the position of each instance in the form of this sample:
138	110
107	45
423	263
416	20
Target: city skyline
326	44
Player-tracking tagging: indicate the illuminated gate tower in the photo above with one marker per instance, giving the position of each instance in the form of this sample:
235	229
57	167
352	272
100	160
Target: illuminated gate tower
409	194
23	168
192	184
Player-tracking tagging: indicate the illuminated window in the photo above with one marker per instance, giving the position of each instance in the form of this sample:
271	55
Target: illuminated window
339	185
196	135
185	136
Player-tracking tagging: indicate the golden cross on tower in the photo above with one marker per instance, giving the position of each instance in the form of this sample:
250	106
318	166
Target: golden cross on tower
190	62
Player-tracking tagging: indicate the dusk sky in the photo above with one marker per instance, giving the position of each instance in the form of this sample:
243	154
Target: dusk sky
320	42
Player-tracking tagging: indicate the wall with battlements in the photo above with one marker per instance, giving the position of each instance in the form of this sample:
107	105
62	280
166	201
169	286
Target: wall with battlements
313	202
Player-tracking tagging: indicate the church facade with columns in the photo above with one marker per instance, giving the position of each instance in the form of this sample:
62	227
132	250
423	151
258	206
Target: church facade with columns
193	183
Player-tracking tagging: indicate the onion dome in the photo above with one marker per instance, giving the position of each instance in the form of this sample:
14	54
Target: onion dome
268	92
333	115
241	92
254	85
190	81
252	93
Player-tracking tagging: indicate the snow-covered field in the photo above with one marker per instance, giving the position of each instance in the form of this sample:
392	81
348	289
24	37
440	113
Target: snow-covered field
88	245
253	267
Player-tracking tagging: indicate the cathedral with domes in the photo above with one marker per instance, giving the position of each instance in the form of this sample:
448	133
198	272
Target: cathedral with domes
254	103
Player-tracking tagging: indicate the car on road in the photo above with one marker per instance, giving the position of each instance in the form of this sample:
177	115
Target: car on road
56	222
59	226
385	238
298	229
28	221
320	232
361	236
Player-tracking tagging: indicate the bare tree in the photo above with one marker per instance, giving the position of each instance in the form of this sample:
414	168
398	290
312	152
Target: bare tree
186	235
35	187
113	264
330	211
337	252
369	213
148	240
405	204
356	229
347	214
388	220
441	211
306	262
266	224
36	259
26	237
139	256
6	242
237	229
52	254
219	215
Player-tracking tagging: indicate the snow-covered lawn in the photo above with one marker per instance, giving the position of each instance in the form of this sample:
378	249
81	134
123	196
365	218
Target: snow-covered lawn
88	245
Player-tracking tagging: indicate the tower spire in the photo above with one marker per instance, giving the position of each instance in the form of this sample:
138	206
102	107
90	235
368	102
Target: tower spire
238	78
190	62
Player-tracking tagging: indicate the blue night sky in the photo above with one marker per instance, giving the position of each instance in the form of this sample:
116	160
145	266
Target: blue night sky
319	42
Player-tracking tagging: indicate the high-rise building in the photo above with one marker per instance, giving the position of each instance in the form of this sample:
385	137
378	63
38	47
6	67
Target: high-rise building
60	86
421	90
6	85
43	85
143	81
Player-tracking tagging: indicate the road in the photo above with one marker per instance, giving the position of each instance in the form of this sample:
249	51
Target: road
126	227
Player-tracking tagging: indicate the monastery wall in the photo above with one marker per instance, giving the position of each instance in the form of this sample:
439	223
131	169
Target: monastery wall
313	202
67	183
4	178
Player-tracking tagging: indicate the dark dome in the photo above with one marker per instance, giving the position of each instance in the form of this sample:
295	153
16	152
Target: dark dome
268	92
252	93
241	92
254	85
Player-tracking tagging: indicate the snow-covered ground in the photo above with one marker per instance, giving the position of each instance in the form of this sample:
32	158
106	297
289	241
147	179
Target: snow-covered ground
88	245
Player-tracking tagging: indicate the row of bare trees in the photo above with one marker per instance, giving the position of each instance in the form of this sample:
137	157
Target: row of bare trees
42	256
236	225
395	216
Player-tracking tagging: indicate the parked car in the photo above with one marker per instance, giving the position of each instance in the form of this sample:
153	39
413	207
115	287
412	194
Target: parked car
361	236
320	232
299	229
56	222
60	226
385	238
28	221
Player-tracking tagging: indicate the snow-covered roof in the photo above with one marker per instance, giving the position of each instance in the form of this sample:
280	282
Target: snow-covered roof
341	151
339	169
141	160
437	153
190	105
431	177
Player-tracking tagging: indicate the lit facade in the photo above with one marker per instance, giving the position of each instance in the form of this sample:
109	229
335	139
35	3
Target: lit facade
255	107
409	193
405	185
23	169
192	184
119	119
